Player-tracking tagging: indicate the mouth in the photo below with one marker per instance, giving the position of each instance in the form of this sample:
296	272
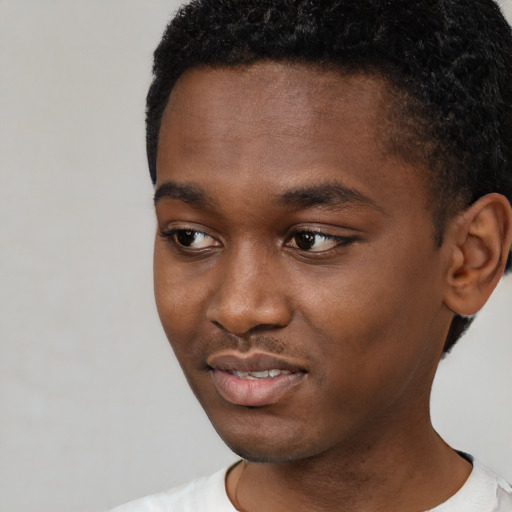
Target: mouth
258	375
254	381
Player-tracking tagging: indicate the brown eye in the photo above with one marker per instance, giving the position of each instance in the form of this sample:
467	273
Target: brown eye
185	237
317	242
191	239
305	241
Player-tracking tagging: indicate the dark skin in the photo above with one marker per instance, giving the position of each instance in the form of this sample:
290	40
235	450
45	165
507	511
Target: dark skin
289	240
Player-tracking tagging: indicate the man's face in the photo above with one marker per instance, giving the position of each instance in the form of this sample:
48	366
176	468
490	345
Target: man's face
296	275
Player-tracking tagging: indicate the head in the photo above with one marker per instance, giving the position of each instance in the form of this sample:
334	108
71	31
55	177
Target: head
332	187
447	67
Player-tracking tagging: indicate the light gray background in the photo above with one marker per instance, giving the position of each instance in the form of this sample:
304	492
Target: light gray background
94	410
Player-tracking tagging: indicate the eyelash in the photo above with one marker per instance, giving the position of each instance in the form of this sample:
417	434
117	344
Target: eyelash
171	234
339	241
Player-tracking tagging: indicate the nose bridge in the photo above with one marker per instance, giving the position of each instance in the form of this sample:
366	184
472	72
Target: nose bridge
250	291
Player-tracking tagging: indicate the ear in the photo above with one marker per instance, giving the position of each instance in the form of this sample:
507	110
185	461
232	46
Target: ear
479	240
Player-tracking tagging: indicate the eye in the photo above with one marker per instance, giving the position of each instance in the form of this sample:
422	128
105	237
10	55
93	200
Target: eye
190	239
316	241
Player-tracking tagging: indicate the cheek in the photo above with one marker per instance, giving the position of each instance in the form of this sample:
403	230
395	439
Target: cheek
178	296
375	325
356	306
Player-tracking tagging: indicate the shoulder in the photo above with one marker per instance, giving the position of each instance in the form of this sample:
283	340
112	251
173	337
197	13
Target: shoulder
483	492
190	497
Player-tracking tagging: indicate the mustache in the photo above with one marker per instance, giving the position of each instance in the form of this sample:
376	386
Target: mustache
227	341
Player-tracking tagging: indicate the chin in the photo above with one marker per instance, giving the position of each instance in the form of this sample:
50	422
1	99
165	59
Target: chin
269	434
268	444
262	456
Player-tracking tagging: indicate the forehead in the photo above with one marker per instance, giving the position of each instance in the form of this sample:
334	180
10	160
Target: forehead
280	125
283	84
287	99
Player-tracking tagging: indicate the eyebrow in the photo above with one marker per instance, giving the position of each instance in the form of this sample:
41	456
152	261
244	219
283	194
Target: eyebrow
188	193
326	194
329	194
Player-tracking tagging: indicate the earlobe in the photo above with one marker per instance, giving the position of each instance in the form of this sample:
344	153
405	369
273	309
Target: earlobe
479	240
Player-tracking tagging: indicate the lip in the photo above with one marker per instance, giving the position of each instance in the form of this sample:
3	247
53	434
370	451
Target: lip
253	393
251	362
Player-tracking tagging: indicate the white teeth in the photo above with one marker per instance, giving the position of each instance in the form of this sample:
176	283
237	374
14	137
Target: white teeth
265	374
260	375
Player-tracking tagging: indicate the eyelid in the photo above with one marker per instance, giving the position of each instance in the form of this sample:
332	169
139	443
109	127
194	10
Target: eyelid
331	232
169	233
338	240
174	226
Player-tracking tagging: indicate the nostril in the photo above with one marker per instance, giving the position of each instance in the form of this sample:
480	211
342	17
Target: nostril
219	325
247	297
242	322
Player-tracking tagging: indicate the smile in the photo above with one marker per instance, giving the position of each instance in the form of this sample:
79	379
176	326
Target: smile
255	389
265	374
254	380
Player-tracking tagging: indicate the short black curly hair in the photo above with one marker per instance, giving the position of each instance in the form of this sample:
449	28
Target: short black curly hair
447	63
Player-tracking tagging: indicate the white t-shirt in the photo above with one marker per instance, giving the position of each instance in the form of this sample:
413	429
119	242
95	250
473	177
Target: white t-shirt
482	492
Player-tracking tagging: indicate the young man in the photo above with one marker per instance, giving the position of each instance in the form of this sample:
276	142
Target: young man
332	197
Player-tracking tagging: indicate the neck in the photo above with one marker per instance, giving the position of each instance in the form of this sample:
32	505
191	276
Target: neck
406	473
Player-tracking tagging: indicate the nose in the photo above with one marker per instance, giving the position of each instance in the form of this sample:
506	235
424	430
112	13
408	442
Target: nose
251	293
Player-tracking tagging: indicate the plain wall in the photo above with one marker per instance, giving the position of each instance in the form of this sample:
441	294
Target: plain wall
94	409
